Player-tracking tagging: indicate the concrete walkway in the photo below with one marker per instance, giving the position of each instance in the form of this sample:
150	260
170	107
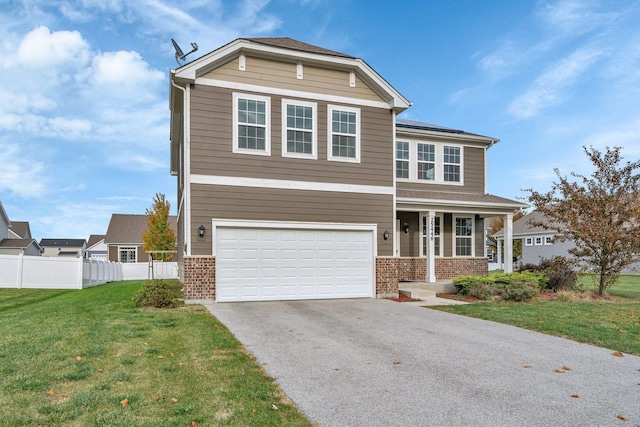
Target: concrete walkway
368	362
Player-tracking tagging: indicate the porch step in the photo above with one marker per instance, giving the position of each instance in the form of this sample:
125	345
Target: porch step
416	290
445	286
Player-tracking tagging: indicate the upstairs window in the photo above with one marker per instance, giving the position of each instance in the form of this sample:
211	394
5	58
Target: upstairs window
344	134
402	159
426	162
299	124
429	162
451	164
251	124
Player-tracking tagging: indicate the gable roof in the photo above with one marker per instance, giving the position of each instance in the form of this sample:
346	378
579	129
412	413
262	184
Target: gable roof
21	229
288	49
523	226
289	43
128	228
426	128
58	243
94	239
18	243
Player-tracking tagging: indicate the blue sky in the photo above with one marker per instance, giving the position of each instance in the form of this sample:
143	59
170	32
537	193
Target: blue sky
84	119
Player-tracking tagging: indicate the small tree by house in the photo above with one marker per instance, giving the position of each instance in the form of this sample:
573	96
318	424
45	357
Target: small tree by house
600	214
159	236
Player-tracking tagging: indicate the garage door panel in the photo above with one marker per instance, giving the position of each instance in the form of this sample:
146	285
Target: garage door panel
270	264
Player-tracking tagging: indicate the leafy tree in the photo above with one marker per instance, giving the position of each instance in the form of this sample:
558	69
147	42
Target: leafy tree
159	236
496	224
600	214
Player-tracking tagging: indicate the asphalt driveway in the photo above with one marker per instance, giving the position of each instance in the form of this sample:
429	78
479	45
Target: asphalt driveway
369	362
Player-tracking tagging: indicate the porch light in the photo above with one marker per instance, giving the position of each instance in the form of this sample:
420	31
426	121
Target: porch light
385	235
405	227
201	231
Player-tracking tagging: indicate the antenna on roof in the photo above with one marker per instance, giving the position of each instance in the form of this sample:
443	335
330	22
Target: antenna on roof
180	55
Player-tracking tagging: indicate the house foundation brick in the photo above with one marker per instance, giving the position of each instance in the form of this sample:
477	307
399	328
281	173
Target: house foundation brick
199	278
391	270
448	268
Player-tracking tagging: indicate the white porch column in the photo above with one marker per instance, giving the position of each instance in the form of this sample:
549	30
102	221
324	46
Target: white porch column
508	243
499	252
431	247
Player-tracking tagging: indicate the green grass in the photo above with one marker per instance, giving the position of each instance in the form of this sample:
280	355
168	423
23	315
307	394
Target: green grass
611	323
72	357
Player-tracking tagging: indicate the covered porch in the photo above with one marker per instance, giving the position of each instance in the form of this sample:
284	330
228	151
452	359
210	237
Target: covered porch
441	235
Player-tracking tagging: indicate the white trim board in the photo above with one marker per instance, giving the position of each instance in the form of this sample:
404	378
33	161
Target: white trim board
291	93
289	185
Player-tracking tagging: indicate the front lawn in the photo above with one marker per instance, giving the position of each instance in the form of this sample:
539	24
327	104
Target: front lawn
89	358
612	323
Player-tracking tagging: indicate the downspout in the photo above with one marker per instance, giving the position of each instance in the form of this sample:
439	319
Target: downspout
186	223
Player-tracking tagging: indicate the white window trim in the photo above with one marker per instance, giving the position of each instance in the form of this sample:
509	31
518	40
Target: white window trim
461	148
434	162
314	131
396	159
267	131
473	237
439	160
128	248
528	241
441	236
536	242
330	156
548	240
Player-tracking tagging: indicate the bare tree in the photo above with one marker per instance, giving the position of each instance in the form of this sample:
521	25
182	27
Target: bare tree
600	214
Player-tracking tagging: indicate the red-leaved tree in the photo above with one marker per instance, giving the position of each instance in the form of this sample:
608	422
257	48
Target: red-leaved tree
600	214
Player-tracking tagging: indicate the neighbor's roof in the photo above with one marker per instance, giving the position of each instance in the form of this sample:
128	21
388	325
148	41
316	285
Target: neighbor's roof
426	127
4	215
127	228
17	243
523	225
73	243
95	238
21	228
289	43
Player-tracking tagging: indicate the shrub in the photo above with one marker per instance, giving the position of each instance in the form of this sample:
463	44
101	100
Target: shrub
514	286
158	293
561	276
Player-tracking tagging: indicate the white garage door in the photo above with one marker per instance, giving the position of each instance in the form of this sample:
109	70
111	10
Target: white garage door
261	264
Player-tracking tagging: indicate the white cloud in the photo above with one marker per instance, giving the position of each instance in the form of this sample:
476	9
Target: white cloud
550	88
41	48
116	69
574	17
20	173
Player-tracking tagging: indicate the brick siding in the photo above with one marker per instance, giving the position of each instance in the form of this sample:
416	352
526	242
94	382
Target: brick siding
391	270
448	268
199	278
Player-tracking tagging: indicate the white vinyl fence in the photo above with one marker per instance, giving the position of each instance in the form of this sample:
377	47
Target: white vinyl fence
36	272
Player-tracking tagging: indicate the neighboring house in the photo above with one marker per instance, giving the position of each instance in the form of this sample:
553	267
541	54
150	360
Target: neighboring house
296	180
539	243
71	248
96	247
15	237
124	237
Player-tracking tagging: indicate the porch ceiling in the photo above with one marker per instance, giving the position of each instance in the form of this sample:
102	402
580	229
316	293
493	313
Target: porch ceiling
481	204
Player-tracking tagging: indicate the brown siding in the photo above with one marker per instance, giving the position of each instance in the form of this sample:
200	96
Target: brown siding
447	235
283	75
222	202
211	145
112	251
473	176
410	242
479	236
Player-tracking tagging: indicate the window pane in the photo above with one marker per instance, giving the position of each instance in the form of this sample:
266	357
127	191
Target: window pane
344	146
251	137
402	169
452	154
402	150
452	173
299	142
463	246
426	152
344	122
464	227
426	171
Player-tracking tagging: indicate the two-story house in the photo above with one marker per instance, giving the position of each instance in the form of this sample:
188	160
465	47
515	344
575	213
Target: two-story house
15	237
296	180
